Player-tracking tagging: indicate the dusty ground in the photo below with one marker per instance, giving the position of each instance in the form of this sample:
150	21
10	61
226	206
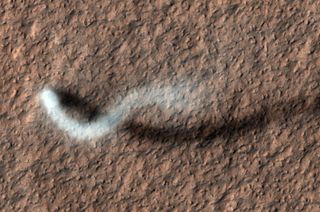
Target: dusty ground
256	147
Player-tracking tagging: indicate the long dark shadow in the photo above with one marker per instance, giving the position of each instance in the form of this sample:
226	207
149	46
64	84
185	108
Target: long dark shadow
204	133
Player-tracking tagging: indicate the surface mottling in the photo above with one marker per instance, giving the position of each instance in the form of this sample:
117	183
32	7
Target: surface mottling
254	145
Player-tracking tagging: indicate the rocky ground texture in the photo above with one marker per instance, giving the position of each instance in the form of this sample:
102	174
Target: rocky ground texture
255	144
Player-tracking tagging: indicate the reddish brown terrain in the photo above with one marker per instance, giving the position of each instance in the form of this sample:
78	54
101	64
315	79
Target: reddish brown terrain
254	146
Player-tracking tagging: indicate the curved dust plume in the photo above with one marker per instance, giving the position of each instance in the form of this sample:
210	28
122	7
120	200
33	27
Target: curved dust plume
165	98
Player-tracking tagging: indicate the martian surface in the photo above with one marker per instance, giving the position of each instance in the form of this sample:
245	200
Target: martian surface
247	138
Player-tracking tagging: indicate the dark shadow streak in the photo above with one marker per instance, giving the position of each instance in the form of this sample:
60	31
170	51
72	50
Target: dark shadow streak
205	132
72	101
